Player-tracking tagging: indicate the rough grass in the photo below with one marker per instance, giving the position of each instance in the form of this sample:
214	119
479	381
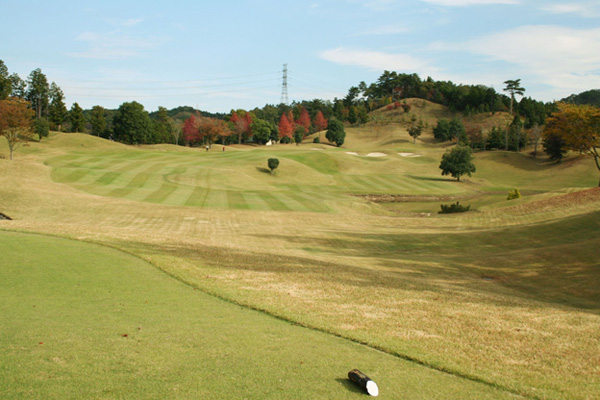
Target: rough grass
506	294
84	321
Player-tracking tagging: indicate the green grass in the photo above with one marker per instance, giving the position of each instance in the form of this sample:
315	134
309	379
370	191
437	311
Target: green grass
85	321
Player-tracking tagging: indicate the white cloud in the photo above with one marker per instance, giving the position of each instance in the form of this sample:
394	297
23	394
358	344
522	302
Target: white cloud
114	45
463	3
583	9
375	60
563	58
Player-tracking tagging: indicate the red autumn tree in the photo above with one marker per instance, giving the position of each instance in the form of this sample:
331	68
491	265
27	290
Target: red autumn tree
320	122
304	119
241	122
285	127
211	129
190	129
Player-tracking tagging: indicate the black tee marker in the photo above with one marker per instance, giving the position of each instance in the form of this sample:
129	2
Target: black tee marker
364	382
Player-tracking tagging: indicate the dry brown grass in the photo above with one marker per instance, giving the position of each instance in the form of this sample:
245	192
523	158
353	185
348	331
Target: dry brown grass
355	273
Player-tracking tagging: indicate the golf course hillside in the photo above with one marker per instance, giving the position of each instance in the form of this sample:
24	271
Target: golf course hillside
163	271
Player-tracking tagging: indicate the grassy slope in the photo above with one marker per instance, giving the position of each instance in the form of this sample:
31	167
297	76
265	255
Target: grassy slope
487	305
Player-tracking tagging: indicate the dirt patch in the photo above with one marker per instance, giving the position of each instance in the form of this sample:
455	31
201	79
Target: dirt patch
4	216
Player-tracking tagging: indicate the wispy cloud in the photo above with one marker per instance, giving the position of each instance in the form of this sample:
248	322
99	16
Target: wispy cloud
583	9
463	3
114	45
376	60
560	57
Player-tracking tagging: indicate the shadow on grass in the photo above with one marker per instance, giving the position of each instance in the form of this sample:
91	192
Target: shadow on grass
430	178
263	170
349	385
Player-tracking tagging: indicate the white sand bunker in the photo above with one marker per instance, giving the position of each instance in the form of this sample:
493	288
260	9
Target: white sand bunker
315	148
376	155
352	153
409	155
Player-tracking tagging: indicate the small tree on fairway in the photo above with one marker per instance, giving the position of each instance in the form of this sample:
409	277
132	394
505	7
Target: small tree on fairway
335	132
458	162
415	131
273	163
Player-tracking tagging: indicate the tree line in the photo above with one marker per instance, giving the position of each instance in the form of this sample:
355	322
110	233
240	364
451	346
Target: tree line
35	106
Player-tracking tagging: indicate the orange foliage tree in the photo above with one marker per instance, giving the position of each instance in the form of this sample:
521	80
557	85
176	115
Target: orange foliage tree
286	129
579	126
304	119
320	122
15	121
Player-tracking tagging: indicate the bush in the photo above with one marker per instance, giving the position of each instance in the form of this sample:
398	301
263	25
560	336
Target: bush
316	140
514	194
272	163
453	208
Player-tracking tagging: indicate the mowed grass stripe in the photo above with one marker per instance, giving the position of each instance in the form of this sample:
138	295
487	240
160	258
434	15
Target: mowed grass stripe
216	199
309	202
161	195
236	200
274	202
196	198
256	201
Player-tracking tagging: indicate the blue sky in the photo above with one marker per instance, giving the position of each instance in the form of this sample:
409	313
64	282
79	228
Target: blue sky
229	54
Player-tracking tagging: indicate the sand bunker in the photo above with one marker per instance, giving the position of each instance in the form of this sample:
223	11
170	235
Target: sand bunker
376	155
409	155
352	153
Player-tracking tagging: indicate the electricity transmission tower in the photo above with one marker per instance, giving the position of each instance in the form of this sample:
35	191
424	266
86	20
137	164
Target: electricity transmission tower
284	91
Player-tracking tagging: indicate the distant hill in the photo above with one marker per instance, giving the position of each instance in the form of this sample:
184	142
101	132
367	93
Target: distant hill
591	97
183	112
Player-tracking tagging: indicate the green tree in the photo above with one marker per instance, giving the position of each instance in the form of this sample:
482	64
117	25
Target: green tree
77	119
19	86
513	87
38	92
554	145
162	127
98	121
41	127
352	115
299	134
458	162
363	115
262	130
5	83
415	131
57	110
132	124
335	132
272	163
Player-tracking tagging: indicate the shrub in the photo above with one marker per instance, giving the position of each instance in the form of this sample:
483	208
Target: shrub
316	140
273	163
514	194
453	208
